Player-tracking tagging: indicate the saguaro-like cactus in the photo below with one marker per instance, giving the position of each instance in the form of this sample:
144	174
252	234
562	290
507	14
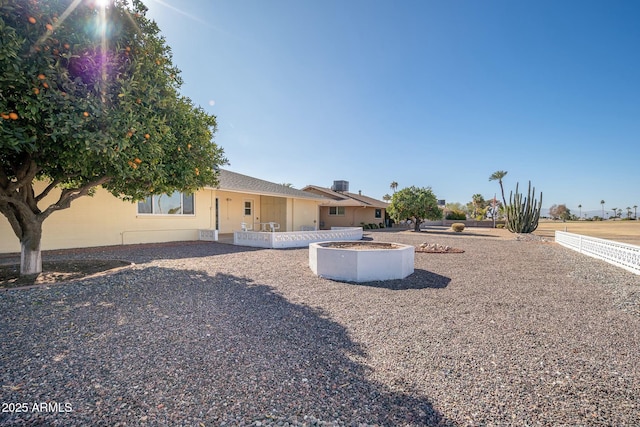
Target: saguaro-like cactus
523	216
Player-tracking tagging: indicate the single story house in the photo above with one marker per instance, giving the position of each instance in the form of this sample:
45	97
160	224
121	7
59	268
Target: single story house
104	220
345	209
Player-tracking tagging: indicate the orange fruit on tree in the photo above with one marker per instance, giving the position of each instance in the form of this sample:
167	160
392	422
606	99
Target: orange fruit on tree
4	116
13	116
41	77
32	20
45	85
36	90
86	114
66	46
147	136
49	27
137	160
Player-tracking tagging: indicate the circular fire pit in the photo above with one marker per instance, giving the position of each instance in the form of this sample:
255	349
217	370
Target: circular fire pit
361	261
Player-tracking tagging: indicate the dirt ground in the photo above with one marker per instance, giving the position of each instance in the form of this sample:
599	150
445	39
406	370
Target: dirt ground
57	271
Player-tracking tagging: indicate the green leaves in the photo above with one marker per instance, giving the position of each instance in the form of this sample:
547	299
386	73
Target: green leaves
86	110
416	203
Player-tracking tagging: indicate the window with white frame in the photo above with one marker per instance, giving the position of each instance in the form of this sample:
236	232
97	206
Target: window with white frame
378	213
167	204
336	210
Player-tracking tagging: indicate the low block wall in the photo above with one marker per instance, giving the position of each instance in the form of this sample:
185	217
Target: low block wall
616	253
448	222
294	239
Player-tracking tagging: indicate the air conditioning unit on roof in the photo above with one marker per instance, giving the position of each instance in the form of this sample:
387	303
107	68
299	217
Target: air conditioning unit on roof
340	186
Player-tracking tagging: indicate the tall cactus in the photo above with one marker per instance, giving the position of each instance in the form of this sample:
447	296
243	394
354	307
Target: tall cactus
523	216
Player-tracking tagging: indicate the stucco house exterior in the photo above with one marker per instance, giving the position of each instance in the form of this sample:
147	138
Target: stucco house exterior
104	220
345	209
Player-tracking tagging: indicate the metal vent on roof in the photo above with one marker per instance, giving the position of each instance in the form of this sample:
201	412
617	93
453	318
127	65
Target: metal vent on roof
340	186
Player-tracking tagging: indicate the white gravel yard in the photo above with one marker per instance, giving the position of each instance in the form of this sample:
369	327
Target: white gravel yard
510	332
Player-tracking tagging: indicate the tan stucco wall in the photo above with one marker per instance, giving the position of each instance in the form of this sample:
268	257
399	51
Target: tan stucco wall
231	210
106	220
352	218
302	213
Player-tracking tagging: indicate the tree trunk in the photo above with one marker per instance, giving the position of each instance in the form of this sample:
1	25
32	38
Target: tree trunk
30	260
30	254
417	226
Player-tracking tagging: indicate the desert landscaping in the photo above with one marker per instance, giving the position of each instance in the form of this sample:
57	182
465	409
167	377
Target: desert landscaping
514	330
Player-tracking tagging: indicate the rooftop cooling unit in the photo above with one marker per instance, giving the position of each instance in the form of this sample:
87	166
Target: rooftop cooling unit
340	186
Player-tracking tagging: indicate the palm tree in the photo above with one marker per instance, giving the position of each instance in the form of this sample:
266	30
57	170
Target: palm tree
602	203
628	212
393	186
386	197
619	212
580	215
614	213
497	176
635	211
478	200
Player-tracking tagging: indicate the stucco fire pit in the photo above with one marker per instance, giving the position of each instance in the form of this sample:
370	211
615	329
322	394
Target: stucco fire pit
361	261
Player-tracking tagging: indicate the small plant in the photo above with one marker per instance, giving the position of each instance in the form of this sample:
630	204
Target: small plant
457	227
499	225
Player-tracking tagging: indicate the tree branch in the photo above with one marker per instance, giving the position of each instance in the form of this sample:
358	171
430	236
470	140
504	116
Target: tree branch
69	195
7	211
46	191
25	173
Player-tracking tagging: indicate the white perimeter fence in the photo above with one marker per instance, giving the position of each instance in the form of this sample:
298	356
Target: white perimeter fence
616	253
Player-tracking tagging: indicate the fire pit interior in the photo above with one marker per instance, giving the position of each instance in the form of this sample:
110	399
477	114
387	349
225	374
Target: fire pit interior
361	261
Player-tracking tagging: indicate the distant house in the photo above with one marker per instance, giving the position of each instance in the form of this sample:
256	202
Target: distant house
345	209
104	220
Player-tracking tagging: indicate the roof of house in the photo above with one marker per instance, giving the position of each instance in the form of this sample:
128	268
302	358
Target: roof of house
344	198
233	181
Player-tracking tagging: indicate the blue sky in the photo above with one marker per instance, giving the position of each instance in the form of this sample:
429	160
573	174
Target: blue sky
436	94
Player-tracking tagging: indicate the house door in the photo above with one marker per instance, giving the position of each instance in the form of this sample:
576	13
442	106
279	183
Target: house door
247	214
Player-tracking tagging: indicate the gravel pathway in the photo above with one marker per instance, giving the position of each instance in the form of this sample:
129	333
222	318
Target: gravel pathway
510	332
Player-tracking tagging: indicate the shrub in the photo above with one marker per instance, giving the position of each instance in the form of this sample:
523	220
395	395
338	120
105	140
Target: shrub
457	227
499	225
456	216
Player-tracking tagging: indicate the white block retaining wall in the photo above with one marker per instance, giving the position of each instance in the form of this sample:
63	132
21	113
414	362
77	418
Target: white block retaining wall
294	239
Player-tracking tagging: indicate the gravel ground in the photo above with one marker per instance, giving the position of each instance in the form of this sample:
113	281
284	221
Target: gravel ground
510	332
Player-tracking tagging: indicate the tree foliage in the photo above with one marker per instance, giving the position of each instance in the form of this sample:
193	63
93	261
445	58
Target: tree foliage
89	96
417	204
560	212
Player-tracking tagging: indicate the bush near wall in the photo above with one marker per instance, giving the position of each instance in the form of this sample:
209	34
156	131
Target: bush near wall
456	216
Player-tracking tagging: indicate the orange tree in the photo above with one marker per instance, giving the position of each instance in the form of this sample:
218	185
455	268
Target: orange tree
89	97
